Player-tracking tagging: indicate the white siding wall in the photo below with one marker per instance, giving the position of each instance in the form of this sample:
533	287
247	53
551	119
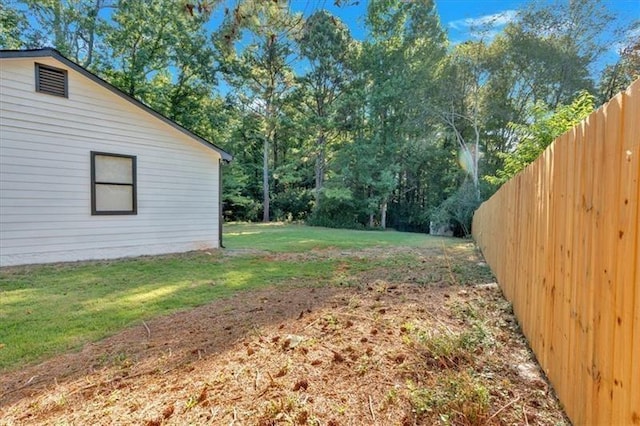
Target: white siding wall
45	190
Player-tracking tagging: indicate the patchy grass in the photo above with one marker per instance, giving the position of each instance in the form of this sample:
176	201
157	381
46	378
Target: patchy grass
459	394
50	309
378	347
459	398
356	334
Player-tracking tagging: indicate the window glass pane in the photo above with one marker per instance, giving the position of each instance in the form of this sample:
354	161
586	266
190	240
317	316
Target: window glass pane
114	169
114	198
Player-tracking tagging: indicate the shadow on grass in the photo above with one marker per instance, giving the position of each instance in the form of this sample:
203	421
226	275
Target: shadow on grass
49	309
233	297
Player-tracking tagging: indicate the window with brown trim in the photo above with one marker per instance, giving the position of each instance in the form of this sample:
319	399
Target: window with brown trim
113	184
52	81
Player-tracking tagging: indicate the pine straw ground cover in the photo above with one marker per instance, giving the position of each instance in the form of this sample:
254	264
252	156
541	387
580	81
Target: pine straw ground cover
425	338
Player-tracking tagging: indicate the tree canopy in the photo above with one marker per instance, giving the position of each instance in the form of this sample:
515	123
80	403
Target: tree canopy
402	129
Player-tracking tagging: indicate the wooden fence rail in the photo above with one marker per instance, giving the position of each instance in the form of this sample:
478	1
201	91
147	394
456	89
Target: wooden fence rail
563	239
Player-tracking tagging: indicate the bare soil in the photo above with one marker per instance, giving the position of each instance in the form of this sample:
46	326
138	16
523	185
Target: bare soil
356	354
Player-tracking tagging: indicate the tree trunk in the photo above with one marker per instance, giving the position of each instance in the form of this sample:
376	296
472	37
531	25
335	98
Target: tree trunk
59	31
383	215
320	159
269	136
265	181
371	215
476	157
93	14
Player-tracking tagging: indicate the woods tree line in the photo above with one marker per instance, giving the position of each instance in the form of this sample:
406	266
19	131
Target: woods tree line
402	129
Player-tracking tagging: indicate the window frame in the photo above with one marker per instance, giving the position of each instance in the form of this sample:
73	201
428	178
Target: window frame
133	185
66	80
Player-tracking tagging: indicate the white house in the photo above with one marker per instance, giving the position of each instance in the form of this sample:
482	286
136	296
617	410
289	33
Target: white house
87	172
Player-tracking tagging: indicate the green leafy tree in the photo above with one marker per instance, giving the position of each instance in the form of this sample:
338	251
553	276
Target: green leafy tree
242	179
545	128
457	210
552	46
400	62
140	43
546	55
14	27
74	27
374	131
459	105
256	45
325	43
617	77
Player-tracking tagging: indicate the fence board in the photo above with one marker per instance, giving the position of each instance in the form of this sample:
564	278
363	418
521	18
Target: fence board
606	308
563	239
628	206
634	407
587	264
573	369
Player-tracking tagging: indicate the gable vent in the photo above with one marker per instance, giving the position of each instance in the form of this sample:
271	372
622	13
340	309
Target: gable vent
51	80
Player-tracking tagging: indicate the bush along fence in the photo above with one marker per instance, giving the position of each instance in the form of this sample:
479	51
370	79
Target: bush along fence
563	240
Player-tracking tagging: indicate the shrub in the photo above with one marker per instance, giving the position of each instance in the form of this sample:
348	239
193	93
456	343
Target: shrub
457	210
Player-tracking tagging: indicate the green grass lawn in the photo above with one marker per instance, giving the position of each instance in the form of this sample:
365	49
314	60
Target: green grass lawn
45	310
279	237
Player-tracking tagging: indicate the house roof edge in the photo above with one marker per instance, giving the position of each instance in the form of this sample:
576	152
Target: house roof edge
51	52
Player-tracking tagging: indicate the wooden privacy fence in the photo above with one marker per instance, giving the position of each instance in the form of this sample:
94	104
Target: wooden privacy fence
563	240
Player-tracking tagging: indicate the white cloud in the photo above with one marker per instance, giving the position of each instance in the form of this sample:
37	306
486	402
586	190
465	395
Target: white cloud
633	33
494	20
630	35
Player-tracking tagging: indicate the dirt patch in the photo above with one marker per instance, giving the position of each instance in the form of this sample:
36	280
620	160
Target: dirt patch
384	349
